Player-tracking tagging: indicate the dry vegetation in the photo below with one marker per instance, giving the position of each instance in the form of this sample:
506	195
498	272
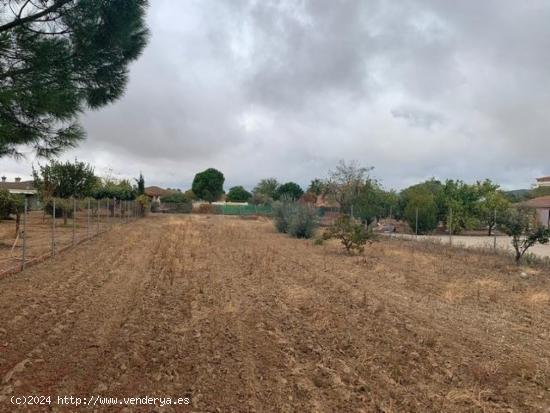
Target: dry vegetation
39	236
247	320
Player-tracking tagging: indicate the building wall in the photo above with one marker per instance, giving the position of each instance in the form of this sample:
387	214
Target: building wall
542	215
543	184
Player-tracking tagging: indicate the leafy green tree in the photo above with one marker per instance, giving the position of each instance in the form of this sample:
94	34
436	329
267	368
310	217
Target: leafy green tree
65	180
174	198
177	201
373	202
238	194
316	186
290	189
458	204
345	184
11	204
208	185
57	58
521	224
140	185
114	188
420	200
492	204
266	191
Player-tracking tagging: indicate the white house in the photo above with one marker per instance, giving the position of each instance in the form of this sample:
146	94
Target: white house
542	182
19	187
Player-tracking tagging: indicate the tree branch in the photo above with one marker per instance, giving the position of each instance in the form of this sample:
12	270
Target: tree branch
32	17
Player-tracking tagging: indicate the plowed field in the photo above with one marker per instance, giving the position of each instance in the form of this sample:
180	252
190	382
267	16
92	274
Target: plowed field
242	319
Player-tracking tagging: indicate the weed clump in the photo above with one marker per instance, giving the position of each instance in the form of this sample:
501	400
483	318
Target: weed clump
297	220
353	236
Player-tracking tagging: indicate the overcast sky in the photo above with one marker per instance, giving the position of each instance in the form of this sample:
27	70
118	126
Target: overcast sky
449	89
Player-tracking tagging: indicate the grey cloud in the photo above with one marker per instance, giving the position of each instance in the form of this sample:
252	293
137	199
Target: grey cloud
416	88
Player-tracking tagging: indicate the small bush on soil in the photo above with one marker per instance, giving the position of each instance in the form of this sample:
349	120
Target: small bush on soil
281	213
297	220
302	221
352	235
144	204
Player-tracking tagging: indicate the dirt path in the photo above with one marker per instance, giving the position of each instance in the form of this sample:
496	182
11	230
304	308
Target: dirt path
242	319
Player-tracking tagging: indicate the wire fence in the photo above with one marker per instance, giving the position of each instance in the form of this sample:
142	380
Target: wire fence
36	235
228	209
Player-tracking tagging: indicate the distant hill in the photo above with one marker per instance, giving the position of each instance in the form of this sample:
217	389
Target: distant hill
518	194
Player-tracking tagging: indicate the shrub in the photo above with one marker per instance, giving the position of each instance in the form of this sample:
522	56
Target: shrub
175	197
183	208
281	213
352	235
9	204
521	224
144	204
302	221
297	220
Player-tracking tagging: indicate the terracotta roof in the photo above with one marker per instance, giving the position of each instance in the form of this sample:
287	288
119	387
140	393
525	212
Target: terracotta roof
156	191
540	202
24	185
544	179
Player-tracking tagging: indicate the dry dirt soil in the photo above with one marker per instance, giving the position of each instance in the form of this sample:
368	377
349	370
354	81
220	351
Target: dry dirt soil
243	319
39	235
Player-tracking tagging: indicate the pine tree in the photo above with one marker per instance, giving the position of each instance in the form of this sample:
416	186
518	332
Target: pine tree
57	58
141	185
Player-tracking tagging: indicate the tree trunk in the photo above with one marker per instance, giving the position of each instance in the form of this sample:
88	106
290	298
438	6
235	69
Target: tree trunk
518	256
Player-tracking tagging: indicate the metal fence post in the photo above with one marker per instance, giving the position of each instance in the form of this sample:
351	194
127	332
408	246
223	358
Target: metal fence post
108	213
416	226
74	220
53	228
495	231
450	226
23	258
98	214
88	225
